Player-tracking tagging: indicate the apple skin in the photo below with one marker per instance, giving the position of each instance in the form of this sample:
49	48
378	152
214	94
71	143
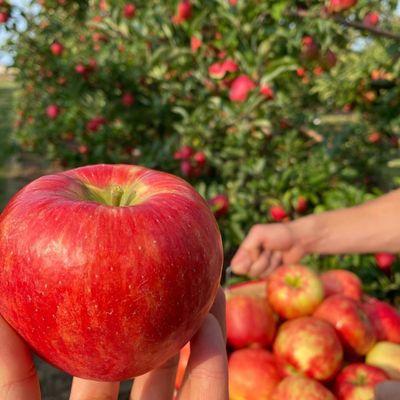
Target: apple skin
350	321
385	355
253	374
294	291
250	321
308	346
106	292
340	281
301	388
384	318
358	381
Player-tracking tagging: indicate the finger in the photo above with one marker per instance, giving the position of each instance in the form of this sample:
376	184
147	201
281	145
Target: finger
207	371
219	310
387	391
274	263
86	389
260	265
249	251
157	384
18	378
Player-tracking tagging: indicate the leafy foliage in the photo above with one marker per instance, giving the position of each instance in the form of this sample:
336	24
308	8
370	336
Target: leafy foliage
316	115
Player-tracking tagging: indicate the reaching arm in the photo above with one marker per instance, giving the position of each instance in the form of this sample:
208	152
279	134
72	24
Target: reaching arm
368	228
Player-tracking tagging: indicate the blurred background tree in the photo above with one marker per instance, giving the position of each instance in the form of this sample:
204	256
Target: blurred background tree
271	109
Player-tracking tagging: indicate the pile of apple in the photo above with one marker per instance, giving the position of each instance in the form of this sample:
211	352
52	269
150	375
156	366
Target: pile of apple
300	336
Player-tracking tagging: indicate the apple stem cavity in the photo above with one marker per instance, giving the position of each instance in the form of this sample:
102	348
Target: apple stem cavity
116	195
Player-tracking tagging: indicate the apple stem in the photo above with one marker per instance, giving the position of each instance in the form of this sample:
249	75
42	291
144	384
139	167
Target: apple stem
116	195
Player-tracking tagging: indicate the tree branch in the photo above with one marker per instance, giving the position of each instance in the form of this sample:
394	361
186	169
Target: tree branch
351	24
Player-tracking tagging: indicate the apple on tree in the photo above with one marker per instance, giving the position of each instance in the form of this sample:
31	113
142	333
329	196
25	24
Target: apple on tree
108	270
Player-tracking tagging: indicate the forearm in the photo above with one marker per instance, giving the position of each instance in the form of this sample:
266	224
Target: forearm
368	228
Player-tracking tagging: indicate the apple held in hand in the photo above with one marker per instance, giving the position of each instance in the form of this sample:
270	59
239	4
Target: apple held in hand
249	318
358	381
354	327
294	291
253	374
301	388
340	281
310	346
108	270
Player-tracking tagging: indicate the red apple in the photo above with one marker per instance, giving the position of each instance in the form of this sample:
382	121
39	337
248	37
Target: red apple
80	69
184	356
358	381
267	92
257	288
373	138
309	48
4	17
385	355
195	43
240	89
253	374
128	99
53	111
184	153
385	261
200	158
308	346
384	318
354	327
57	48
108	270
340	281
301	388
277	213
302	205
294	291
219	205
330	59
250	320
336	6
129	10
371	18
183	12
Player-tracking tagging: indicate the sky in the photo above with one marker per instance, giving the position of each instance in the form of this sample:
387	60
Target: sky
5	57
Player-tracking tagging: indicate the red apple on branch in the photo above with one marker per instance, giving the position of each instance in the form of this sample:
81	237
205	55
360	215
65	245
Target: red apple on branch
294	291
108	270
308	346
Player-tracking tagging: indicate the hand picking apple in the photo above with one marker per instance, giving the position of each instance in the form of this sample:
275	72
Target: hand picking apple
372	227
106	272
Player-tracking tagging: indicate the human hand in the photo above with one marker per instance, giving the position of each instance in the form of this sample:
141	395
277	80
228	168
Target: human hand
206	375
265	248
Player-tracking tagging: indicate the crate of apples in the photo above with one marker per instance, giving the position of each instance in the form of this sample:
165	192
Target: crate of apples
300	336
